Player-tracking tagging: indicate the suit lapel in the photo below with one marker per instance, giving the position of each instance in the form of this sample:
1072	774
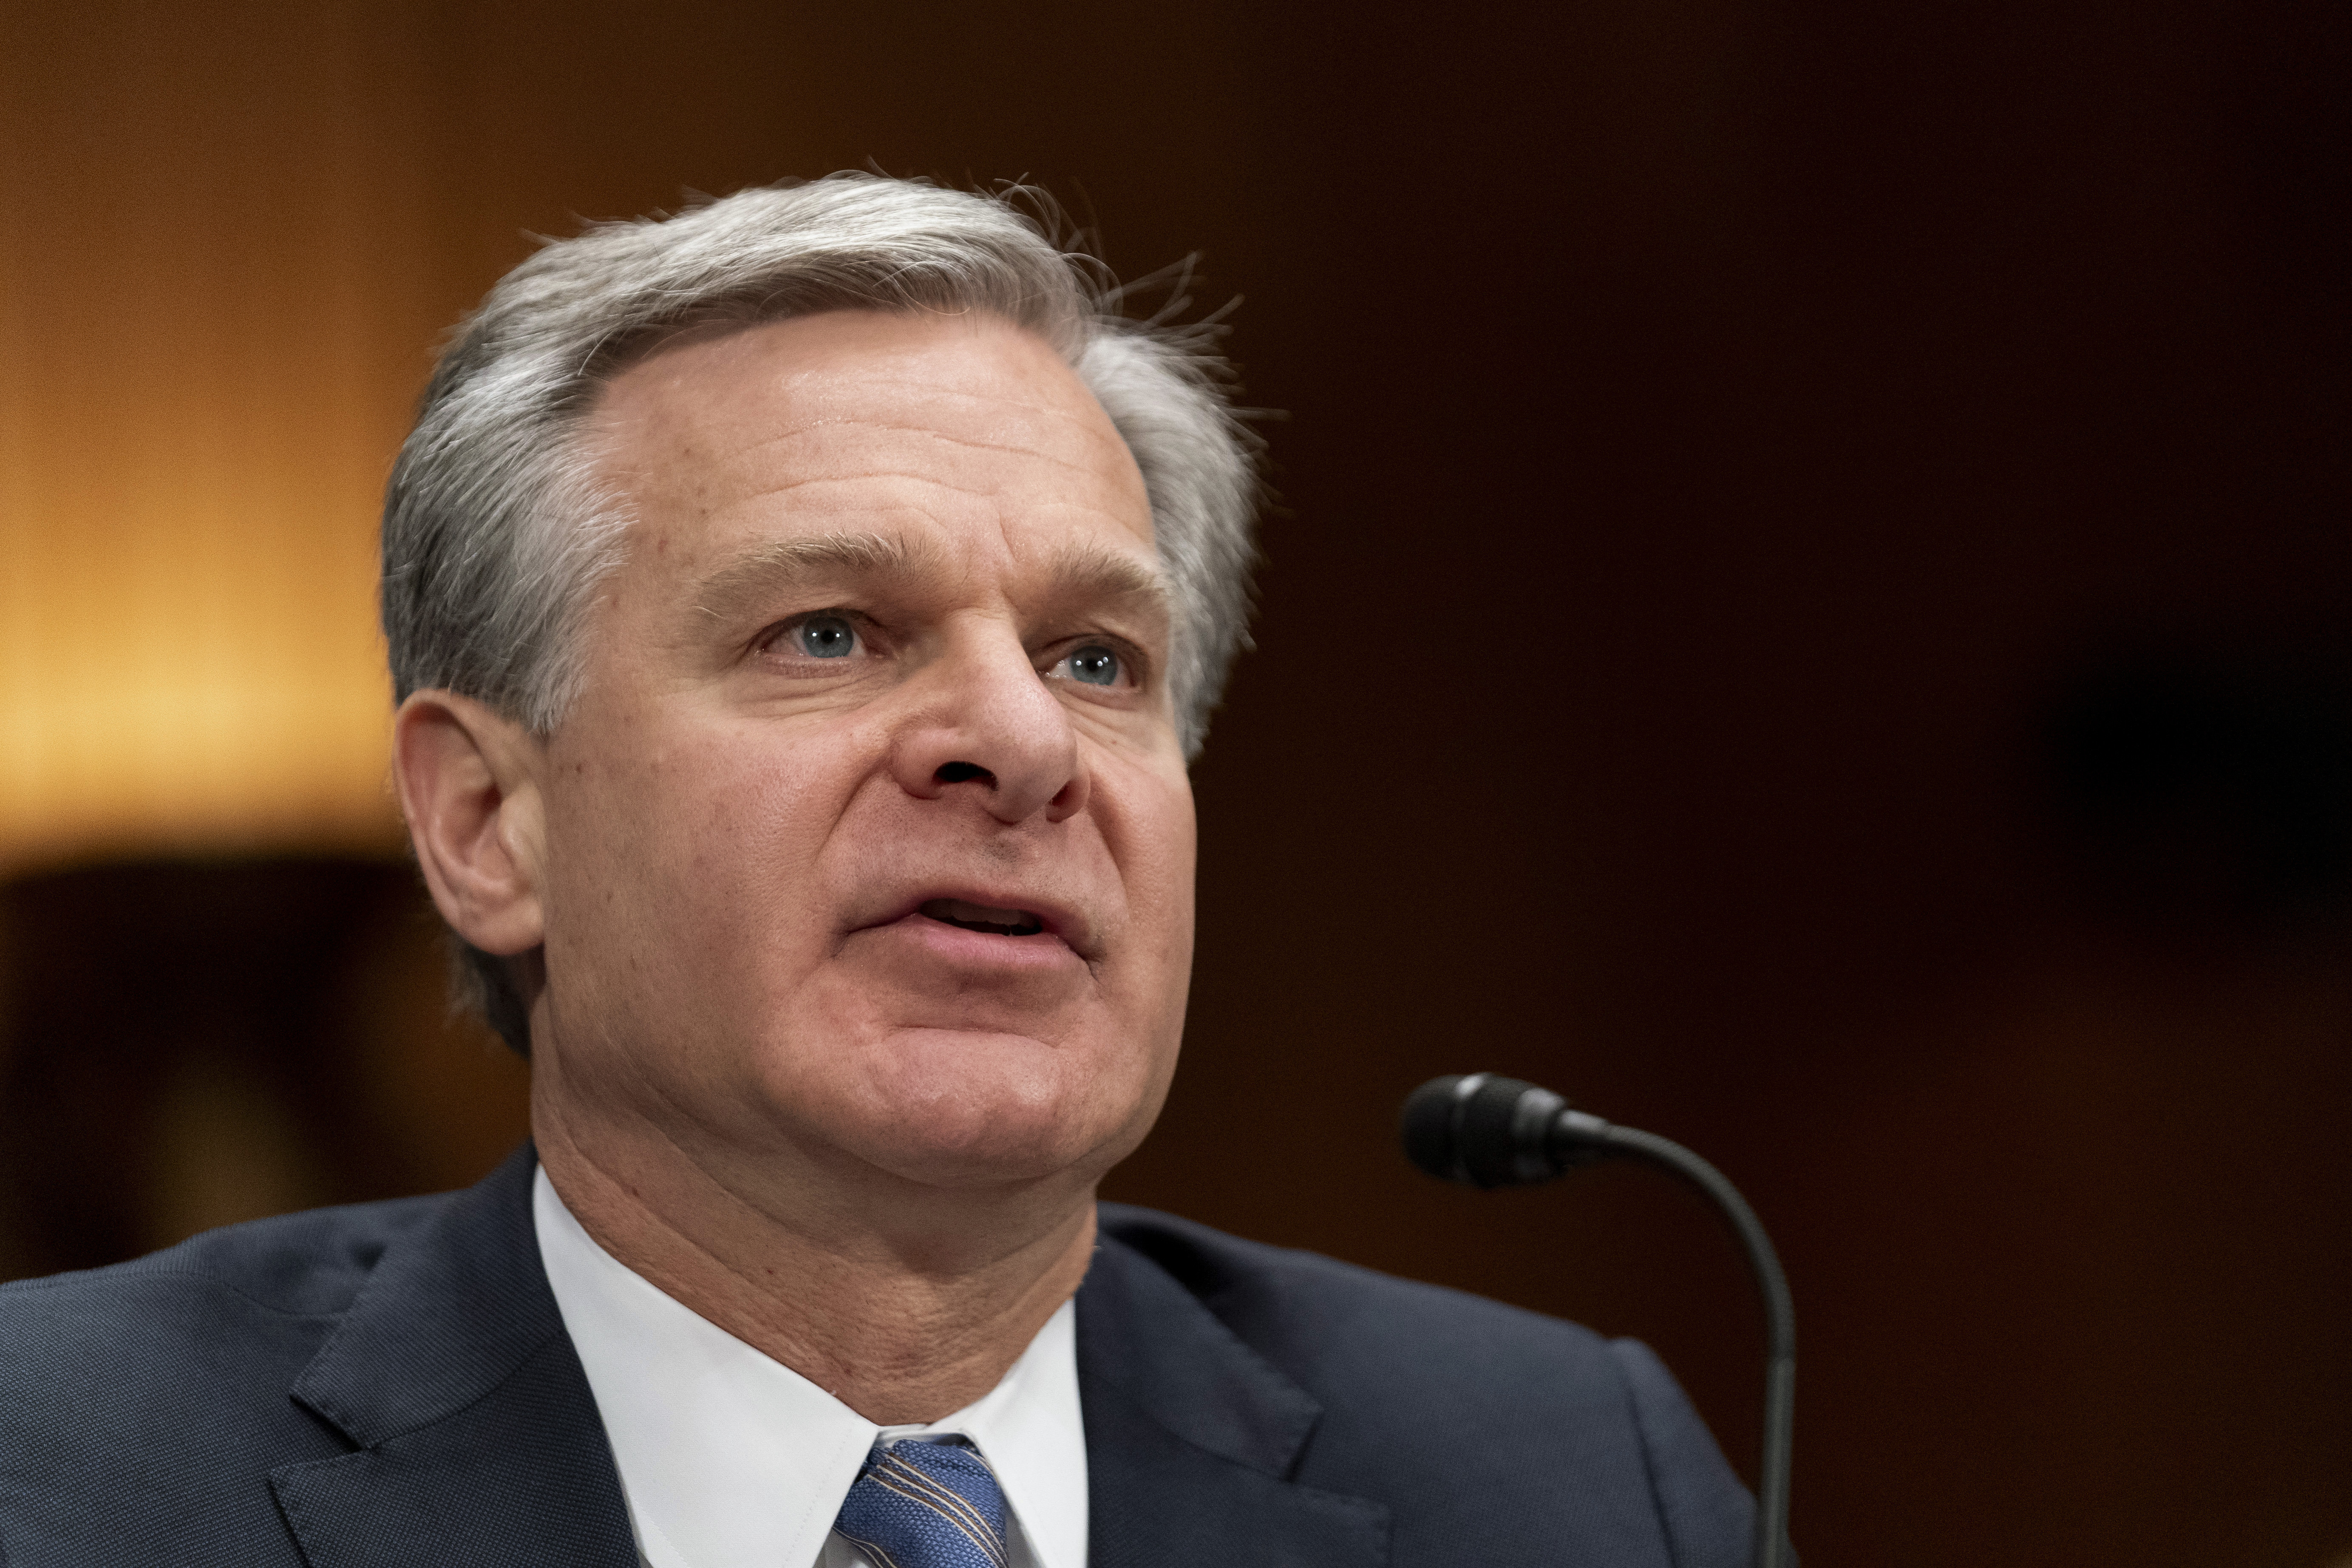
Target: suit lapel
477	1438
1191	1437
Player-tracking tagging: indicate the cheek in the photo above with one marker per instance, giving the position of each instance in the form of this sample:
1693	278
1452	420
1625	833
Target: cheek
1154	841
1150	829
1148	825
686	861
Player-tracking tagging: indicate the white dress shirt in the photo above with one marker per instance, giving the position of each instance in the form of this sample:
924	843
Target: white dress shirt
729	1460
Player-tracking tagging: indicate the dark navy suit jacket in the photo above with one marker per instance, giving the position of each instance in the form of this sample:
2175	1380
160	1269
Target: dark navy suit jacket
392	1385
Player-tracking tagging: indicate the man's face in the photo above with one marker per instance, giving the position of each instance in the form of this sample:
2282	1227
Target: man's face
870	837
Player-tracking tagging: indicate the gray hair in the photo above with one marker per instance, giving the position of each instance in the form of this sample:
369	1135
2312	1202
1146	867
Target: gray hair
496	533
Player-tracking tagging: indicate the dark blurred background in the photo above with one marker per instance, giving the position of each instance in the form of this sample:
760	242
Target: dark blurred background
1809	608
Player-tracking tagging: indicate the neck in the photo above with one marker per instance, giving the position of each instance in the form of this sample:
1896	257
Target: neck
906	1307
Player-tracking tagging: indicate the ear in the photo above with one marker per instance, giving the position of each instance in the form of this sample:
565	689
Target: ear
467	779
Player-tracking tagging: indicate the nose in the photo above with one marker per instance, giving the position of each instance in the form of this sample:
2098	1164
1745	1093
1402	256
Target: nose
987	724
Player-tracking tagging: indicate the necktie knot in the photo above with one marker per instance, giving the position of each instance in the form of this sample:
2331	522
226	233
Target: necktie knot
926	1505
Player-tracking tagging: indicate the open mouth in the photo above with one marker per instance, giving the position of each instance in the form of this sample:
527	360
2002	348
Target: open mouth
980	918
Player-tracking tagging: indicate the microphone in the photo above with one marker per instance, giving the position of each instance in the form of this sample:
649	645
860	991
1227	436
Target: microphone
1489	1131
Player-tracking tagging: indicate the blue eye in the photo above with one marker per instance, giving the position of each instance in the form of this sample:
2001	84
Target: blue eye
825	637
1096	664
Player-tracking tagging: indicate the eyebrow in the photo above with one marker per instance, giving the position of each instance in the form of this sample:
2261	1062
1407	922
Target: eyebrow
1092	570
1081	570
737	588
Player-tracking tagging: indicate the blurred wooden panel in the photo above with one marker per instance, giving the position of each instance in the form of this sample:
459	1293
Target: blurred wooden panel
188	1044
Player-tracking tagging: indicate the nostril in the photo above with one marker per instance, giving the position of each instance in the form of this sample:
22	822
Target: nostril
956	772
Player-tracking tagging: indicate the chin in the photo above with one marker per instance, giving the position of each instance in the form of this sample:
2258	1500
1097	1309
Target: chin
973	1168
956	1108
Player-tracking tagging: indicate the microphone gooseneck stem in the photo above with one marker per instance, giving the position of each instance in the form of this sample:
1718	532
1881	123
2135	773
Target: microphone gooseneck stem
1576	1137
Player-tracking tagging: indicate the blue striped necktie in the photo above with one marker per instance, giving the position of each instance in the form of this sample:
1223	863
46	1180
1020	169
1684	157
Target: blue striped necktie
926	1505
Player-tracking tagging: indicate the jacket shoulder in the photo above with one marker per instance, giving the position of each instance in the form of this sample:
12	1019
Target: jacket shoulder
154	1395
1475	1421
1303	1309
224	1319
302	1265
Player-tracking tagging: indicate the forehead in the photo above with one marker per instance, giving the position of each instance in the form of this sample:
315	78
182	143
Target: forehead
966	433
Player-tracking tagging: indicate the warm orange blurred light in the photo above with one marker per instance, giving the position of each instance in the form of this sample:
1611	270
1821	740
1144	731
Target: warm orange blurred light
187	656
213	313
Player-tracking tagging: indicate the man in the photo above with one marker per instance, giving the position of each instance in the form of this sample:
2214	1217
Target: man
803	611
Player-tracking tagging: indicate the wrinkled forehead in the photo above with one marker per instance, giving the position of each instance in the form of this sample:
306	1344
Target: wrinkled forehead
790	415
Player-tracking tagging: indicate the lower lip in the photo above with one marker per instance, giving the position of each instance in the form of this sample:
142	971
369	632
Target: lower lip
979	950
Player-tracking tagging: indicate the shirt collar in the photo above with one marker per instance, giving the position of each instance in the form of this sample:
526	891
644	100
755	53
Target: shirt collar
731	1459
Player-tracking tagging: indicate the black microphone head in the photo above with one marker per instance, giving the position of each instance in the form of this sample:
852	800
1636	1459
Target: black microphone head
1486	1131
1426	1126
